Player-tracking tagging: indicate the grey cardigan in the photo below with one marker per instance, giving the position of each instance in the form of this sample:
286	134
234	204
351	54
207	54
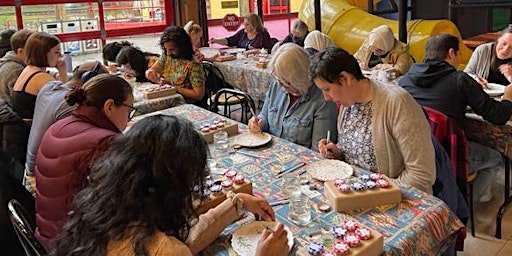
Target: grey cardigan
401	137
480	61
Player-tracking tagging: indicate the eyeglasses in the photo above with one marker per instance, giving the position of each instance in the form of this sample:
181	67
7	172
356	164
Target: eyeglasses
132	111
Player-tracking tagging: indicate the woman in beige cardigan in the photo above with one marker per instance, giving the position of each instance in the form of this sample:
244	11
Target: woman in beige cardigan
381	50
381	128
139	201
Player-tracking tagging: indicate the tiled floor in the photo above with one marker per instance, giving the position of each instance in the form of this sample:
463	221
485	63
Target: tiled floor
485	218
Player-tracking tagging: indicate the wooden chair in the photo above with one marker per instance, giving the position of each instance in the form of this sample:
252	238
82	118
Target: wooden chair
454	141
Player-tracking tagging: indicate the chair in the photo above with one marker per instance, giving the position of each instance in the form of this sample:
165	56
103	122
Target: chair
229	97
24	229
454	141
214	82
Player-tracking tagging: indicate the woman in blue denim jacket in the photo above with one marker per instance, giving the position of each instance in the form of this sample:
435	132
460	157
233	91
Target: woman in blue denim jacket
294	109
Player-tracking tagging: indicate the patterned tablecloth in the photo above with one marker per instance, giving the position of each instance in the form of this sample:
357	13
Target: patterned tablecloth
144	106
244	75
420	225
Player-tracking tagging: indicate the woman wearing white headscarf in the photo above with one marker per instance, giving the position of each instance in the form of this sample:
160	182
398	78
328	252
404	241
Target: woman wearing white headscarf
294	108
316	41
381	50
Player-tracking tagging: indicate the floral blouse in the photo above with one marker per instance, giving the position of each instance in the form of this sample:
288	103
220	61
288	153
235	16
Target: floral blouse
184	73
355	136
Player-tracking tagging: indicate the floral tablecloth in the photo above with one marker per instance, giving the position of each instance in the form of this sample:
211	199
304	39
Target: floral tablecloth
419	225
244	75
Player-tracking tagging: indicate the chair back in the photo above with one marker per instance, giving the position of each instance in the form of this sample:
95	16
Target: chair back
214	81
24	229
454	141
238	97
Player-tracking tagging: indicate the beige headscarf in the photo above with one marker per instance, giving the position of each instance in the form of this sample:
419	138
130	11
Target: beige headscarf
382	38
317	40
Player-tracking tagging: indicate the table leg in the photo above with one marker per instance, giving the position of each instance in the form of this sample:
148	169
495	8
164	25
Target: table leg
507	199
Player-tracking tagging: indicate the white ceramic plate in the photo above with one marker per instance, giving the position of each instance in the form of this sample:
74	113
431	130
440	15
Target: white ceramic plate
495	89
249	139
234	50
329	169
245	239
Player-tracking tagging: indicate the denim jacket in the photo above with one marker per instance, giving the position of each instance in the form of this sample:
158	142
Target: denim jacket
305	122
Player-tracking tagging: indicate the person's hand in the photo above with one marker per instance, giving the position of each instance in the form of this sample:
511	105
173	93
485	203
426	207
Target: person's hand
273	242
153	76
61	65
506	70
363	65
255	124
482	82
258	206
507	95
329	149
214	41
128	75
112	68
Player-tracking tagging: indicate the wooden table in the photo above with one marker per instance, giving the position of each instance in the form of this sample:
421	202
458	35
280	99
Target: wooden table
477	40
420	224
498	137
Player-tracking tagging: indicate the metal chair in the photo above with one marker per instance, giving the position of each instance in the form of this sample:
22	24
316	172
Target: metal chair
214	82
230	97
24	229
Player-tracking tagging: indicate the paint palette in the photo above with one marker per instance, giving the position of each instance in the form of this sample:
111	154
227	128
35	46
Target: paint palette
215	191
208	128
362	192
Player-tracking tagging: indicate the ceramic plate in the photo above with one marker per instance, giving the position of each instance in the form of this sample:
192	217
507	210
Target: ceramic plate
249	139
495	89
245	239
234	50
329	169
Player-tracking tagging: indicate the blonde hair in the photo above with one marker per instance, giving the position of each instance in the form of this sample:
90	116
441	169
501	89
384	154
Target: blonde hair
255	21
291	63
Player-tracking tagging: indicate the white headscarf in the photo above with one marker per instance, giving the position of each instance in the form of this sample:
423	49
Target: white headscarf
382	38
317	40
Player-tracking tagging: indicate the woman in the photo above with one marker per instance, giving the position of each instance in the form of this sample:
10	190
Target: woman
136	62
42	50
196	33
381	50
177	65
110	52
70	146
294	109
298	32
316	41
380	127
492	62
159	161
253	36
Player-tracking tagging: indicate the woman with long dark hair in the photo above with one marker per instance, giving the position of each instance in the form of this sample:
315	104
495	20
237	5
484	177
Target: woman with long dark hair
139	201
136	62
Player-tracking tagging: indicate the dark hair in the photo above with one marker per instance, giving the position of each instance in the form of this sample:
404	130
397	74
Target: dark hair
137	59
328	65
99	89
19	39
137	189
181	40
111	50
5	41
438	46
37	47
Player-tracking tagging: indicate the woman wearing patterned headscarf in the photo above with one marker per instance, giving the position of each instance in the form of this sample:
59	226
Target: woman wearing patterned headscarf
381	50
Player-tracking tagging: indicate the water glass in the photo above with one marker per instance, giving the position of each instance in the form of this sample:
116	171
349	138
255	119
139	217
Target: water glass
290	185
300	210
221	143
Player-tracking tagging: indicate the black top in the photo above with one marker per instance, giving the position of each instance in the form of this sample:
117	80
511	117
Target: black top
438	85
24	103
